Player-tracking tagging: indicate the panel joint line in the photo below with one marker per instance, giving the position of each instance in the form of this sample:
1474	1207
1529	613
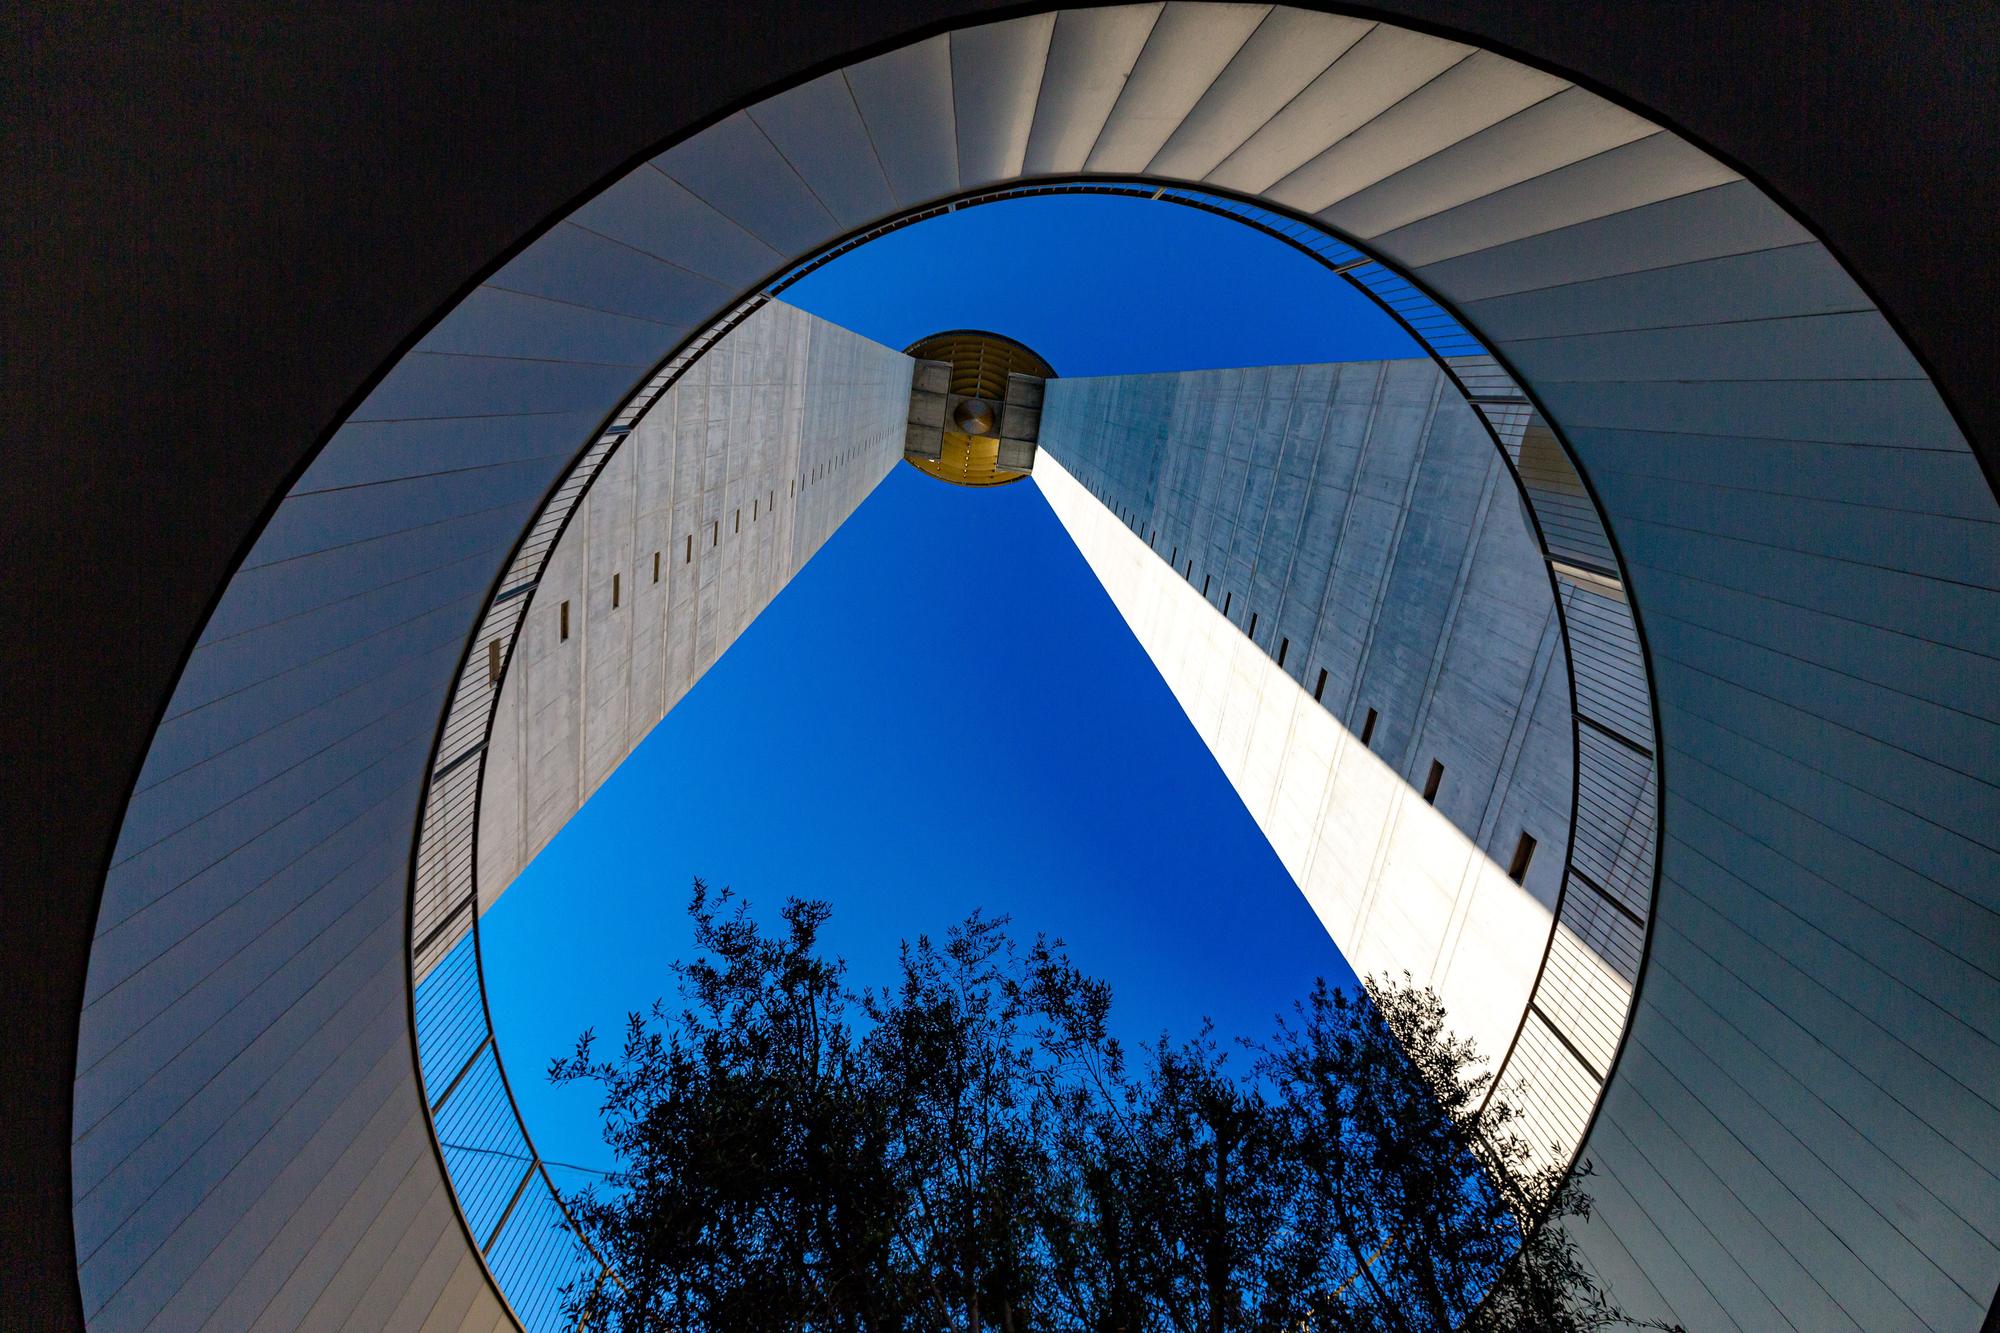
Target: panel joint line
1618	736
508	1211
1567	1044
459	1077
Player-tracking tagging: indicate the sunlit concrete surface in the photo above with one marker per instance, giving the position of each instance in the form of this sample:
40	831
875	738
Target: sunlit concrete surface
1361	513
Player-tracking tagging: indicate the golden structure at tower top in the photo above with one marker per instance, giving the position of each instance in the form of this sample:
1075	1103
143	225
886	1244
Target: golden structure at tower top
975	408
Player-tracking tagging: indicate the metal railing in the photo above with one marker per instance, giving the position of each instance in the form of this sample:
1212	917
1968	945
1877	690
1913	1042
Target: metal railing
1575	1022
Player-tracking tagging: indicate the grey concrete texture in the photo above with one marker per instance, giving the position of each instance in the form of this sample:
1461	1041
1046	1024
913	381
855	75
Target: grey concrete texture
1359	524
1361	515
724	490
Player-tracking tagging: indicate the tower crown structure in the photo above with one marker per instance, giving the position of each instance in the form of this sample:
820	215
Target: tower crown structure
975	408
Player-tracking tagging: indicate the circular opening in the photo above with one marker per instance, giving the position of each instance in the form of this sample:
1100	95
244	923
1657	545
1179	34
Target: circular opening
1326	268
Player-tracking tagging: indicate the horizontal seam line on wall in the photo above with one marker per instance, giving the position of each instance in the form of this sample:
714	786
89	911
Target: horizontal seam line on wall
1831	1171
1683	755
1610	467
1517	339
1687	885
384	536
1711	535
1819	878
725	288
1667	571
1838	725
425	476
403	662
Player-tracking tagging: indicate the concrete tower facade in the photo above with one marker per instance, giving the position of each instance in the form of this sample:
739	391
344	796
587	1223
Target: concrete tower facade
1311	554
724	489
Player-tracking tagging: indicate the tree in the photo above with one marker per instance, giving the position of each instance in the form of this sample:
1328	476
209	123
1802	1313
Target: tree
946	1059
1088	1212
1214	1194
753	1189
969	1149
1418	1203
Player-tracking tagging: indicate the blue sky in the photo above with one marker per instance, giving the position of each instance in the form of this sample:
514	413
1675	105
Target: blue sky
1104	285
943	710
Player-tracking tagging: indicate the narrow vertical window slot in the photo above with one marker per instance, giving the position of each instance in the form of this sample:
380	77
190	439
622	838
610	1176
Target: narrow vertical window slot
1368	727
1225	602
614	592
690	551
739	520
715	532
1190	571
493	661
565	622
1204	583
1431	782
656	566
1253	624
1284	646
1524	852
1175	558
1319	690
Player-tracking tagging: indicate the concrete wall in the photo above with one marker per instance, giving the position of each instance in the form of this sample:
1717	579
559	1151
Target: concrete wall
723	491
1362	516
